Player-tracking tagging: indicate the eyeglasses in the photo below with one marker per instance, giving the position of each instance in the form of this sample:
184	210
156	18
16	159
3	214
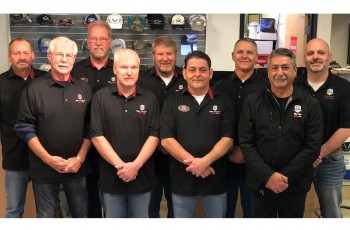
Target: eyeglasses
101	39
62	55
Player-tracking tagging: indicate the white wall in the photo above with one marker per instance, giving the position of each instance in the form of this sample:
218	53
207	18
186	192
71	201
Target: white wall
340	38
324	26
4	41
221	34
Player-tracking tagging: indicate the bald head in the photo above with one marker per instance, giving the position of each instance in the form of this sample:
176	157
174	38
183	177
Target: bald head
125	53
317	57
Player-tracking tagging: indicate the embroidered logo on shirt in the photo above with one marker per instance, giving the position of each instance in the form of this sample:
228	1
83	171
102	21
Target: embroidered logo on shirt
112	81
215	110
297	111
84	79
183	108
329	94
142	110
80	99
181	87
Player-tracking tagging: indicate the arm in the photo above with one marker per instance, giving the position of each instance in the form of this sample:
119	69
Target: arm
313	132
248	145
129	170
57	163
106	151
198	166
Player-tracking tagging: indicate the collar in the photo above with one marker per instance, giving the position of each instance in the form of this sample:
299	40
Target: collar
51	81
177	71
211	93
108	63
113	88
13	74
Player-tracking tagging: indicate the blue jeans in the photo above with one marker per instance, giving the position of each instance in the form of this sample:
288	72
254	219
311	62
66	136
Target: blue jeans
47	198
215	205
126	205
16	183
235	184
328	183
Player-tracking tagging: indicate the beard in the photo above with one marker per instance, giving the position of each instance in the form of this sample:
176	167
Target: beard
280	82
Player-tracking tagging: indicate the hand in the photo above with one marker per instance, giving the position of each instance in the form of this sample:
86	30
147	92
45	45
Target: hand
127	172
198	167
277	182
317	161
58	163
73	165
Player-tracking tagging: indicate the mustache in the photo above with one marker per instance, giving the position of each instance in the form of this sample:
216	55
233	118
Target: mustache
281	77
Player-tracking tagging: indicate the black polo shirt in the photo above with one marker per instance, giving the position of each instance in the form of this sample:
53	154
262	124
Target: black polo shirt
237	91
334	98
151	80
14	149
97	79
61	118
126	123
197	128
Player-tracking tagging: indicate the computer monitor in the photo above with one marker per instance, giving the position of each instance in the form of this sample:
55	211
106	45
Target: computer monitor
267	25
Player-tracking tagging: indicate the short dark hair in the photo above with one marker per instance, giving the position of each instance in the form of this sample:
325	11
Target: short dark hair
284	52
198	55
247	40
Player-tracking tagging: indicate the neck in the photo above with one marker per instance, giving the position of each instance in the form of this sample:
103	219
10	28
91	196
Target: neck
198	92
60	77
23	73
244	75
165	74
126	90
282	93
317	77
99	63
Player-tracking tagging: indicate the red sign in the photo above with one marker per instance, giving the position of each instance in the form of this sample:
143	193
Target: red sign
262	60
293	44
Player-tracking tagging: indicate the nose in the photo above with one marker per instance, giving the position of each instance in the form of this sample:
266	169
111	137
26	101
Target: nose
129	71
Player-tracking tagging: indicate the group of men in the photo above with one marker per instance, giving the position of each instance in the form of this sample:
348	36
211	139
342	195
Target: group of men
115	139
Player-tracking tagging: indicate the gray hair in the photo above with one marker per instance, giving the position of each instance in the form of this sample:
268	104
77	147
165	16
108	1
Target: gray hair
284	52
62	39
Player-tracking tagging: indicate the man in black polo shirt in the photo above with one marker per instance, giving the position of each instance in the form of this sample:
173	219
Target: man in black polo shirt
333	93
54	120
237	86
196	129
125	130
97	71
14	150
164	79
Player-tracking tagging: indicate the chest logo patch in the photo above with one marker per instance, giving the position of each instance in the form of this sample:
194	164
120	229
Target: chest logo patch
183	108
80	99
142	110
84	79
297	111
112	81
215	110
329	94
181	87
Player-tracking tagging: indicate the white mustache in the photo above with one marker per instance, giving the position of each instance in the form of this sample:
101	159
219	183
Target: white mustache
281	78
